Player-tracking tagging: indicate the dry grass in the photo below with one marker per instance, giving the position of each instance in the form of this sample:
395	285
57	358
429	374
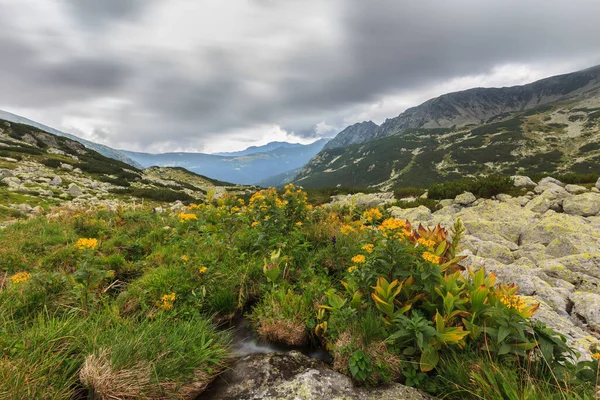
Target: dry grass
283	331
136	382
340	353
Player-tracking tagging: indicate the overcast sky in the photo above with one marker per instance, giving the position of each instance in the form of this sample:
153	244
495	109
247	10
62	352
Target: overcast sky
204	75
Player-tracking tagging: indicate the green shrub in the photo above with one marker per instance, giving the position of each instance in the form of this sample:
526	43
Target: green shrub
166	195
404	192
481	187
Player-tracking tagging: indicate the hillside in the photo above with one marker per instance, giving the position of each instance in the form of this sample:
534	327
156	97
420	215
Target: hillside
559	136
100	148
41	169
246	169
478	105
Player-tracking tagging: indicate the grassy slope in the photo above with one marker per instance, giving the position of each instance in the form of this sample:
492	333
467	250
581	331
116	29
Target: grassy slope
550	139
116	317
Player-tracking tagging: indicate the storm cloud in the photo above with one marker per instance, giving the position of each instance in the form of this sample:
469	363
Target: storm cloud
217	76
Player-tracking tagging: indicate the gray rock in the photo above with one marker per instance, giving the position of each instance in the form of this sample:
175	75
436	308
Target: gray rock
465	199
551	180
56	181
539	204
295	376
25	208
595	189
364	200
587	307
12	181
6	173
597	186
66	167
10	159
446	202
542	187
495	251
520	181
418	214
586	204
46	193
74	190
575	189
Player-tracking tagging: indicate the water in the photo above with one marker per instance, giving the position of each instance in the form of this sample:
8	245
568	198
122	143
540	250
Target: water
246	342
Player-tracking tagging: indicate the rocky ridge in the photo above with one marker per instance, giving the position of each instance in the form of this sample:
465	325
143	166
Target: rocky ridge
546	241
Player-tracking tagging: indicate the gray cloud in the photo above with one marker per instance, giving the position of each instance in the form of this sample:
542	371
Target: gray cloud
267	66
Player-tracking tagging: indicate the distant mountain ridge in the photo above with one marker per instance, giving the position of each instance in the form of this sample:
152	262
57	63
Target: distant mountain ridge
260	149
548	126
474	106
100	148
243	169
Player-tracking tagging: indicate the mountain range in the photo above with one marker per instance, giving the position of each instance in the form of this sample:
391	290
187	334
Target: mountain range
548	126
251	167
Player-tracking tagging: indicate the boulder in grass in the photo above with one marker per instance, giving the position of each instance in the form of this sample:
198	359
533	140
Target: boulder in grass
520	181
465	199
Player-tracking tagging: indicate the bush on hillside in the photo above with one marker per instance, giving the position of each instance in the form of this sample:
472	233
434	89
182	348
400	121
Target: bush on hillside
481	187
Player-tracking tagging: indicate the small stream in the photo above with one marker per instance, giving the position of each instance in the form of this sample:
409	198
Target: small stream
246	342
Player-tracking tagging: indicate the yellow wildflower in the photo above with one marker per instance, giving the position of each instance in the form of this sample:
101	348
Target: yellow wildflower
255	224
368	247
426	242
166	301
203	269
185	258
431	257
372	215
352	268
183	217
347	229
596	356
194	206
20	277
359	259
267	217
235	209
241	201
84	243
513	302
298	223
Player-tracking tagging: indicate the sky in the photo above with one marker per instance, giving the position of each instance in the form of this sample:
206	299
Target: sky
214	75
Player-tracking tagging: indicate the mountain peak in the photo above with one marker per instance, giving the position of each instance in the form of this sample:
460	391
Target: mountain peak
357	133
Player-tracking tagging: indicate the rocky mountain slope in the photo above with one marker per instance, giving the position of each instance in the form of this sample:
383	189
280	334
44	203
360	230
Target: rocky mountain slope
562	135
244	169
39	170
476	106
100	148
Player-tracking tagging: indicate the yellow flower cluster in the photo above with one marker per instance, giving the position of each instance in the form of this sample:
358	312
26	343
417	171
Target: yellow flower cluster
514	302
203	269
185	258
352	268
596	356
298	223
183	217
84	243
20	277
429	243
372	215
255	224
195	206
432	258
347	229
166	302
359	259
394	228
368	247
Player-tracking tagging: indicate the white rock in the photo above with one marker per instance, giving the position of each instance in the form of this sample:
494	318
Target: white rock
66	167
74	190
586	204
465	199
519	181
56	181
598	184
6	173
552	180
587	306
417	214
575	189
